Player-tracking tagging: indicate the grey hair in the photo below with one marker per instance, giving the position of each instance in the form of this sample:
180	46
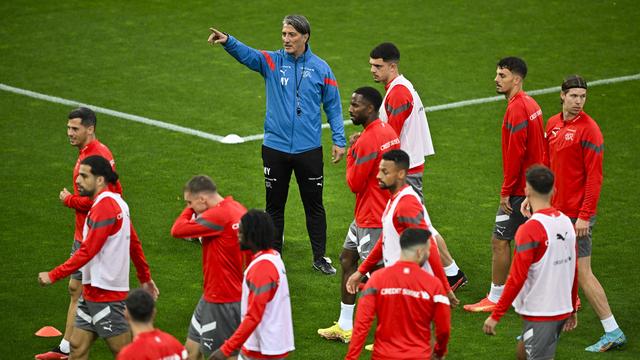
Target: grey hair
299	22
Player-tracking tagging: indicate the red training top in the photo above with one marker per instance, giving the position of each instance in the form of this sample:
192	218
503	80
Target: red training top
221	257
531	245
523	142
107	222
263	280
153	345
409	213
576	149
363	161
406	300
399	105
82	204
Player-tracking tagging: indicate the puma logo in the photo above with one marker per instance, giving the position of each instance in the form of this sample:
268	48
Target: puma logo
108	328
560	237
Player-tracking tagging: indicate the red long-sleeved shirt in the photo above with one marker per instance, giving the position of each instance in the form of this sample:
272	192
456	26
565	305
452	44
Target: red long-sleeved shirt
261	275
528	234
82	204
407	211
363	160
153	345
575	152
399	105
106	214
406	300
221	256
523	142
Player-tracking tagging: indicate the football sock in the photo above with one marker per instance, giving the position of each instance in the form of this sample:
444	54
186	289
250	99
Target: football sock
609	324
452	270
495	293
346	316
64	346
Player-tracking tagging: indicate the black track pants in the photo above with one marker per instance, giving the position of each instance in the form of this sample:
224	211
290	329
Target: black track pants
308	168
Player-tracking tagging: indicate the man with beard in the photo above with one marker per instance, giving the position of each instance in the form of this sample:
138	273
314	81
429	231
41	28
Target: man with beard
363	159
108	238
406	301
523	145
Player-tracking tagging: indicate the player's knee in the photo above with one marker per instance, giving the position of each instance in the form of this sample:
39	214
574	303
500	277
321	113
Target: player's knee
348	261
500	246
79	347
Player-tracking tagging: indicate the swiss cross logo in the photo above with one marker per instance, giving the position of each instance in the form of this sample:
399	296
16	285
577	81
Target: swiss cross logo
568	136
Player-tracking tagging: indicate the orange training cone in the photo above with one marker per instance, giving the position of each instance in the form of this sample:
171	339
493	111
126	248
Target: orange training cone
48	331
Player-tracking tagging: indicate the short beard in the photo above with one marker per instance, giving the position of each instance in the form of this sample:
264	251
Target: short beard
384	186
84	192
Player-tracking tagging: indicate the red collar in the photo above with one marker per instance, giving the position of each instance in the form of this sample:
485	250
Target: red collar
399	191
518	95
578	117
386	87
92	144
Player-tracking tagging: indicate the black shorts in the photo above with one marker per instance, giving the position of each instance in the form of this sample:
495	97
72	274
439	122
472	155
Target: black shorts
507	225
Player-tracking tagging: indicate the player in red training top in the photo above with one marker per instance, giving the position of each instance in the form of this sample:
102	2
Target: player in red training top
216	220
81	127
104	255
402	108
363	160
403	211
148	343
406	300
523	145
576	149
542	283
266	330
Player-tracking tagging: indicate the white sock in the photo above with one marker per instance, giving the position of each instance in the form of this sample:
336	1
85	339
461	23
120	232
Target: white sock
64	346
495	293
609	324
346	316
452	270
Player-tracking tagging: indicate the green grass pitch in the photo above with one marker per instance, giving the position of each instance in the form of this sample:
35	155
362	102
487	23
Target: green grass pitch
151	58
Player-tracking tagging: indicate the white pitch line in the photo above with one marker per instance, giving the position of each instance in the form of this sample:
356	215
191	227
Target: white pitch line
222	139
115	113
459	104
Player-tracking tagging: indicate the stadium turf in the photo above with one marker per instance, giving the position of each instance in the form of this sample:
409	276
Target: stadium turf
151	59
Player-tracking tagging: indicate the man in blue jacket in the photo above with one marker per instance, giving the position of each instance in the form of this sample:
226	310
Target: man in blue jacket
297	83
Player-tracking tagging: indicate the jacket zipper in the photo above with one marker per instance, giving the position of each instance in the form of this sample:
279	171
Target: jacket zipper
295	102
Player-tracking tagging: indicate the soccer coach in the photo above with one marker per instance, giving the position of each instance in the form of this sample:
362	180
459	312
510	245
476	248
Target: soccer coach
297	83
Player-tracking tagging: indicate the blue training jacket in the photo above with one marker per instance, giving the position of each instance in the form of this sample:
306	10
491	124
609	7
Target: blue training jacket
290	126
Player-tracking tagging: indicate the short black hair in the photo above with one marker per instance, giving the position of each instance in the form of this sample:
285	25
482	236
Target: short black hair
258	229
199	184
514	64
371	95
540	178
387	51
140	305
414	236
101	167
86	115
399	157
299	22
572	82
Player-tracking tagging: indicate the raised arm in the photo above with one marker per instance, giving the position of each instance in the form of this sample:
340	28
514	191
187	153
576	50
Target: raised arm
256	60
